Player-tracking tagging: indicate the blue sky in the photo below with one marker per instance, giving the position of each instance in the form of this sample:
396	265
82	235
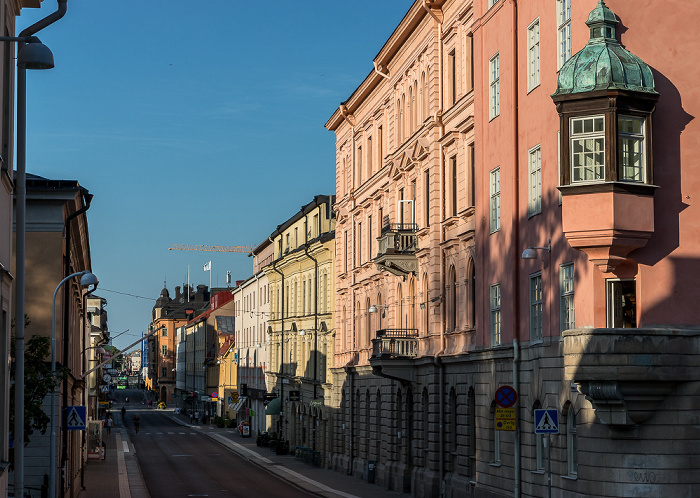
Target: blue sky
193	123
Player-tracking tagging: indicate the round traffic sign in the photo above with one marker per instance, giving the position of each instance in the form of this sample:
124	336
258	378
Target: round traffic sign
506	396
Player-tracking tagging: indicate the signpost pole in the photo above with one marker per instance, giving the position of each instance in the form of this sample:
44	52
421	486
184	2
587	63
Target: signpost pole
549	465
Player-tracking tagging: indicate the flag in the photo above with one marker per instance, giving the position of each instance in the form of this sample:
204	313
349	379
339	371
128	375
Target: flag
207	267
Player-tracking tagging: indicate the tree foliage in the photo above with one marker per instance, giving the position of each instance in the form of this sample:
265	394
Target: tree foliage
39	382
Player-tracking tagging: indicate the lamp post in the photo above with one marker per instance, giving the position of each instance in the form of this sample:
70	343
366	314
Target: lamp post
86	279
32	54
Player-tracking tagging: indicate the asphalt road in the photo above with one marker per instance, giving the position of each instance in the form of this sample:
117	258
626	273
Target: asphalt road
177	461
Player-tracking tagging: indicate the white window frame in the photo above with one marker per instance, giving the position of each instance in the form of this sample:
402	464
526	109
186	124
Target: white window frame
588	143
495	306
563	32
533	55
495	201
494	87
534	204
492	3
625	137
536	306
610	298
566	299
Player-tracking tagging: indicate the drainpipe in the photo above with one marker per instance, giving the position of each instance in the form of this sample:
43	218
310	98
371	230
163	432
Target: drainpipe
515	242
306	250
378	70
281	372
21	217
516	386
87	200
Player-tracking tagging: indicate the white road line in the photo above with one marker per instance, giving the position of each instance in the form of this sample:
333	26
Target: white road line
125	444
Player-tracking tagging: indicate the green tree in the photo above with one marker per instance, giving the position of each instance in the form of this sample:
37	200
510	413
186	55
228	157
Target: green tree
39	381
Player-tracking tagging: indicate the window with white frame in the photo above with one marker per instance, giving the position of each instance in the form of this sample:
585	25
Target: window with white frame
494	88
564	31
587	149
566	292
536	307
534	203
495	203
495	303
571	443
492	3
533	55
630	138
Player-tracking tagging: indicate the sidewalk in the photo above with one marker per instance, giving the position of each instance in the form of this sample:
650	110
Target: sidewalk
316	480
119	475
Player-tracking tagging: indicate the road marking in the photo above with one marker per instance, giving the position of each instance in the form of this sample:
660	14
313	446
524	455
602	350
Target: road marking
171	433
181	456
181	433
125	444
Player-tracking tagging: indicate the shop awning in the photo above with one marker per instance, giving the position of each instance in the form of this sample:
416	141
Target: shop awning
236	408
273	407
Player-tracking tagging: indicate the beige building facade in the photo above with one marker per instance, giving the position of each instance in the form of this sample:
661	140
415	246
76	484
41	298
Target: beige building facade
301	327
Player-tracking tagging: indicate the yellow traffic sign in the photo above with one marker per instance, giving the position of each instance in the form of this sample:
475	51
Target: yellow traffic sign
505	419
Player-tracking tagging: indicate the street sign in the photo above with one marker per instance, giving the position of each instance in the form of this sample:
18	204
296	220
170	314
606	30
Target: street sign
506	396
505	419
546	421
75	418
214	395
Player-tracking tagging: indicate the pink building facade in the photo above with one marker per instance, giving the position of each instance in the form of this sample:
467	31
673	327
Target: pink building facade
514	208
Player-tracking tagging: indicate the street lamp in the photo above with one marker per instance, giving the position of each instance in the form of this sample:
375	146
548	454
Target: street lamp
86	279
32	54
531	252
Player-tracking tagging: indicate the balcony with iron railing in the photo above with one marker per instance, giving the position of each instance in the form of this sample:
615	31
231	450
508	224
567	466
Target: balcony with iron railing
393	352
395	342
398	244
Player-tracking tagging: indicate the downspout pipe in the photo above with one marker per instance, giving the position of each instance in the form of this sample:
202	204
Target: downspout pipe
281	371
306	250
21	230
65	336
515	242
516	386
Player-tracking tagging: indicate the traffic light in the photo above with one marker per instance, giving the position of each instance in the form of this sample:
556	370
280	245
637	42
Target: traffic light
244	389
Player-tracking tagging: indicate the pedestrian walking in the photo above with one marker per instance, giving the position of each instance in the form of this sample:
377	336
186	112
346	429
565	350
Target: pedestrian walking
196	416
191	417
137	423
109	423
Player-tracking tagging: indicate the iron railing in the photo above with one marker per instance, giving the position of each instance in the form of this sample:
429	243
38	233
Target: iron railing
395	342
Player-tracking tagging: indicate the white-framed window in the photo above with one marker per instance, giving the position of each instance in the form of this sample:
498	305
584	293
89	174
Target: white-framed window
563	31
566	293
534	203
622	303
533	55
492	3
495	304
630	148
571	443
587	149
495	202
494	88
536	307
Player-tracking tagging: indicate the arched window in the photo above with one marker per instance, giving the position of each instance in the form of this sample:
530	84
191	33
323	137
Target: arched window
571	442
358	326
398	321
426	305
368	325
380	312
414	106
411	320
409	111
424	96
453	298
399	117
404	128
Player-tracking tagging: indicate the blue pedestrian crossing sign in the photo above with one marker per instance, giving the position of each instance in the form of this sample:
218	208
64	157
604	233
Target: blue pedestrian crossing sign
75	418
546	421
